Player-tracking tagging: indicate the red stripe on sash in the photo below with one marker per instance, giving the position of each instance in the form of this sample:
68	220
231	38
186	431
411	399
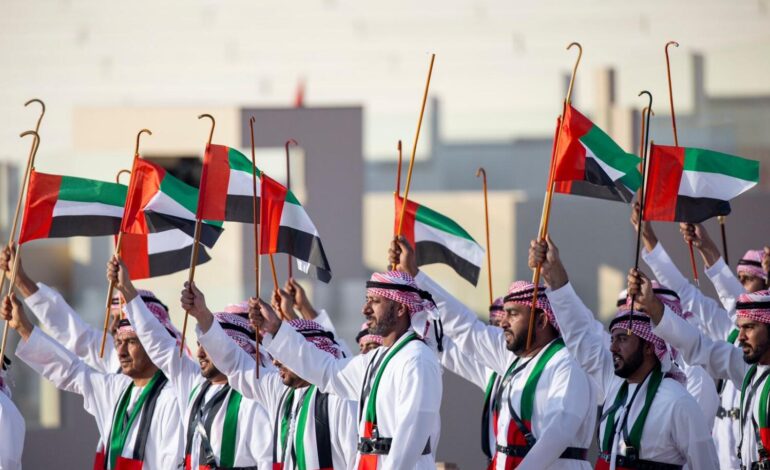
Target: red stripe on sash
123	463
99	461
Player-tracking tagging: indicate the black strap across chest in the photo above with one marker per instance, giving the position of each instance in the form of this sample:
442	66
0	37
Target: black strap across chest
201	419
320	420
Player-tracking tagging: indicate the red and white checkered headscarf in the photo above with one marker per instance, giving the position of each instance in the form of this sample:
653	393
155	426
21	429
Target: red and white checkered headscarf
641	325
158	309
521	293
754	306
316	334
234	320
751	264
496	310
400	287
364	337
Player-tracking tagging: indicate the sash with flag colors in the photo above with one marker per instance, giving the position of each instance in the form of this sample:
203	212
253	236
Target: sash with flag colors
438	239
227	188
589	163
286	228
65	206
157	201
691	185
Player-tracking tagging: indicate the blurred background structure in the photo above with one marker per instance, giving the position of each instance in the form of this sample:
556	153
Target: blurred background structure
344	79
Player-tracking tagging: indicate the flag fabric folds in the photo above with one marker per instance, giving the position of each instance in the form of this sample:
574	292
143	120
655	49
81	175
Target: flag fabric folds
287	228
589	163
227	188
438	239
65	206
692	185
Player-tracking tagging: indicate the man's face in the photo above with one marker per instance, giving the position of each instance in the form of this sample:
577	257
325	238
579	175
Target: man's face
289	378
627	352
208	370
753	338
368	346
134	361
515	325
381	314
752	283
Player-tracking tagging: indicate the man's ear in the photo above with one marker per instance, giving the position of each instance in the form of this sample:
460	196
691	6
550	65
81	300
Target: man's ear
403	310
649	349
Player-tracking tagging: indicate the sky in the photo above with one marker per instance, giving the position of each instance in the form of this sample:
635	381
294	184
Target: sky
499	70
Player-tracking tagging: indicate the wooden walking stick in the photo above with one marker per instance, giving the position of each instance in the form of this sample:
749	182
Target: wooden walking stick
15	267
414	151
676	143
196	240
255	213
398	170
117	180
543	231
23	185
118	243
481	172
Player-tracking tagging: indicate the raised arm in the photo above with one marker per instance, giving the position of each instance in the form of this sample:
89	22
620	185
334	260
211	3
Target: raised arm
464	365
582	333
720	358
60	320
302	304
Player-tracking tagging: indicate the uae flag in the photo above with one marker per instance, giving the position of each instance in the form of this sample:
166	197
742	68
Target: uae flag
438	239
226	188
589	163
157	254
691	185
65	206
158	202
286	228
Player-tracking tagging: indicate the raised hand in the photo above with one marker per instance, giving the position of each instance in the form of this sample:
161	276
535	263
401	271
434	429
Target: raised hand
401	254
194	303
24	283
285	303
301	301
649	238
546	254
13	313
698	235
118	274
640	289
263	317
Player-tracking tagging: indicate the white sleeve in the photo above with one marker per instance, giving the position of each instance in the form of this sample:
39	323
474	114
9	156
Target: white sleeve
419	401
702	388
463	365
342	377
485	342
727	285
172	439
568	408
583	337
721	359
239	367
326	322
345	436
12	429
60	366
713	320
181	371
692	436
65	326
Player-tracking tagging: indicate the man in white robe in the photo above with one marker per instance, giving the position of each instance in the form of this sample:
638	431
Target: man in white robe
648	418
12	427
546	404
221	429
136	408
398	386
311	429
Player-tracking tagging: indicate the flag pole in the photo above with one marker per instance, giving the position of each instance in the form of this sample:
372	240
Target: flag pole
288	186
196	239
481	172
118	243
15	267
25	179
414	147
644	139
275	282
398	185
117	180
545	216
721	219
676	143
255	215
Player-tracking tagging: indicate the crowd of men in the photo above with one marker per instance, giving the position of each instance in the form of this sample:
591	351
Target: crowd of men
677	380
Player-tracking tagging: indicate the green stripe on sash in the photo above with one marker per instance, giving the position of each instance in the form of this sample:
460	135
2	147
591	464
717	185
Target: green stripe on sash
371	407
229	431
528	394
299	435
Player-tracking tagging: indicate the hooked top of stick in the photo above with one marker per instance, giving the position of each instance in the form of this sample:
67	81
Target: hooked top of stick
671	43
138	136
213	125
42	111
574	69
649	95
120	173
35	145
481	172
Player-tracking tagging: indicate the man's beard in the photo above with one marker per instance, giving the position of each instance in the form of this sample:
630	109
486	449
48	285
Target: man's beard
755	354
517	343
631	364
386	324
